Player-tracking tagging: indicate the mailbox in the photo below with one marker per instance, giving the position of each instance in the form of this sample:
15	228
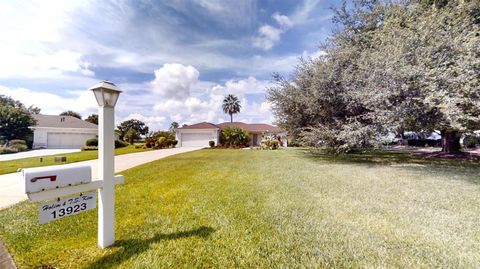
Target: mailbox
56	176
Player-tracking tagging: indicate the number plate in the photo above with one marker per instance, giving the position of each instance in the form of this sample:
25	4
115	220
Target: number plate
67	207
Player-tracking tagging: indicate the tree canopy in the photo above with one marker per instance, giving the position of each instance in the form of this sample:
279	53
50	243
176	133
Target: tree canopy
14	119
390	67
140	127
231	105
92	119
71	113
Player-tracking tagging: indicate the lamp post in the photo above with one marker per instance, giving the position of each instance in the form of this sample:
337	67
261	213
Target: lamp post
107	95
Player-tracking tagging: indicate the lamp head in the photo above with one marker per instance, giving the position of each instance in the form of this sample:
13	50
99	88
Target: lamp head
106	93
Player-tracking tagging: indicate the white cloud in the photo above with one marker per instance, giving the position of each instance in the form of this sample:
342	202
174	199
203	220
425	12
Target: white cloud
173	81
282	20
82	102
153	122
267	38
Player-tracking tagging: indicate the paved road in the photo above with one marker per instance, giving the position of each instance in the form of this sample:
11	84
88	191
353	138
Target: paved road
9	184
35	153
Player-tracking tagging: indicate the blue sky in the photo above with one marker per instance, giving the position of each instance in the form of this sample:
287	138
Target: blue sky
175	60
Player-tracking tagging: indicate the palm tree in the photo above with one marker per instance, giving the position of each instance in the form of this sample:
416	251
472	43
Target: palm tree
231	105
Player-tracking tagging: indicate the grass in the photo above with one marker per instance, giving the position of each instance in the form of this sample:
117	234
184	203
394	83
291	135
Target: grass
264	209
12	166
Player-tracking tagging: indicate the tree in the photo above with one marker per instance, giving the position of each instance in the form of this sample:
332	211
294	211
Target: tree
131	135
231	105
140	127
232	136
34	110
71	113
14	119
174	125
392	66
92	119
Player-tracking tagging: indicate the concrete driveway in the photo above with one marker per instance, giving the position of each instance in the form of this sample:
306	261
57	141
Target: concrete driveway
10	183
35	153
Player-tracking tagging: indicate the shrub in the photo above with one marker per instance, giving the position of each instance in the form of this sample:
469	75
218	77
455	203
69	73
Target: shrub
152	138
233	136
471	141
175	142
120	144
87	148
17	145
274	144
211	143
92	142
15	142
161	142
7	150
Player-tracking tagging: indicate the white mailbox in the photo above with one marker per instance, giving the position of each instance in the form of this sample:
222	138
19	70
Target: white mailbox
53	177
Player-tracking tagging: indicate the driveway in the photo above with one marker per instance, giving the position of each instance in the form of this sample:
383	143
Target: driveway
10	183
35	153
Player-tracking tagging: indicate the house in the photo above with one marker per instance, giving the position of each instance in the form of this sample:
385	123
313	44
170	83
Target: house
199	134
53	131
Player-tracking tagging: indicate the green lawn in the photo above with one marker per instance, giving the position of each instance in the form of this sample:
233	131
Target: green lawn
12	166
264	209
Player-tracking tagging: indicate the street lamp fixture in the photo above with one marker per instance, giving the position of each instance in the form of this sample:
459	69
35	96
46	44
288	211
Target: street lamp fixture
106	93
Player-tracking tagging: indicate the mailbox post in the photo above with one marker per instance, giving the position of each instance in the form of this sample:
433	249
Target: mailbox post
106	94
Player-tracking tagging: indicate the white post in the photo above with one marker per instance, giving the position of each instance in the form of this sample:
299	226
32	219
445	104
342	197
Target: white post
106	194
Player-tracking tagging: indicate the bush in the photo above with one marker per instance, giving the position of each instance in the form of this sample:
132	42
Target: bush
87	148
471	141
234	137
175	142
274	144
16	145
211	143
15	142
152	138
120	144
7	150
161	142
92	142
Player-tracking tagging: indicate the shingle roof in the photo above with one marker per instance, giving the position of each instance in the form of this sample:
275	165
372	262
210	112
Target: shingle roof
252	127
62	122
201	125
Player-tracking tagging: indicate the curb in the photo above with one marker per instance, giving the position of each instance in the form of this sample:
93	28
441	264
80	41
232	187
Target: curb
6	261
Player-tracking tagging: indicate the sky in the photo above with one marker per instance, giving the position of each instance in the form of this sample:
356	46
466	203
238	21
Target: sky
174	60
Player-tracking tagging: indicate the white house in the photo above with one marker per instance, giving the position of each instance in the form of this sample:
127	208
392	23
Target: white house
199	134
53	131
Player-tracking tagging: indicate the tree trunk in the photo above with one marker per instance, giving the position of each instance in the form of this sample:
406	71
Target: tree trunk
450	141
231	117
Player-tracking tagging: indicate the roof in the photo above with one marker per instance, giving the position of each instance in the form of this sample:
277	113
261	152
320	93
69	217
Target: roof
201	125
250	127
55	121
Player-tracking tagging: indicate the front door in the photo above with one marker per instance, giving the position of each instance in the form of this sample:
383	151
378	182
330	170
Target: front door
255	140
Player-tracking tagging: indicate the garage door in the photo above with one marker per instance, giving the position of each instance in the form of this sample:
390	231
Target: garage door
196	139
67	140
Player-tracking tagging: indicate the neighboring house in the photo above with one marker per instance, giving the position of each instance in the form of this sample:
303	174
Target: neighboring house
61	132
198	135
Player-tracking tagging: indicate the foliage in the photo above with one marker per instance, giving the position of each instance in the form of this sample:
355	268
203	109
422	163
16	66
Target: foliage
7	150
174	126
211	143
274	144
14	146
14	119
121	144
231	105
232	136
161	142
259	209
87	148
71	113
140	127
392	66
153	137
92	142
131	135
33	110
92	119
471	141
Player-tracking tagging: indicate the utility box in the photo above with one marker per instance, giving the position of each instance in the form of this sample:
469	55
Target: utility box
57	176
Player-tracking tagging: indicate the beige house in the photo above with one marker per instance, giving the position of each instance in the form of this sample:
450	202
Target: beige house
53	131
199	134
